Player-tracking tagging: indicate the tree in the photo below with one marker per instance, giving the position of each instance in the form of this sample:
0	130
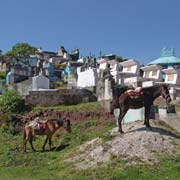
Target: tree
20	52
119	59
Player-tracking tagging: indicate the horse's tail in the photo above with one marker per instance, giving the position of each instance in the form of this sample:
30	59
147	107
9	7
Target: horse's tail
24	133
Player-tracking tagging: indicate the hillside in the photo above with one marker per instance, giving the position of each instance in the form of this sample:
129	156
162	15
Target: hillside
138	145
94	150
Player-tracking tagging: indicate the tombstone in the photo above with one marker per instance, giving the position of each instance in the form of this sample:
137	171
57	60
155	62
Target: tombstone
103	65
40	56
108	95
104	88
72	83
40	82
87	78
46	68
8	78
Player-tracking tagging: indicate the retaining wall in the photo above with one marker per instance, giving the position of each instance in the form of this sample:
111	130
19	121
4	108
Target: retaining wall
59	97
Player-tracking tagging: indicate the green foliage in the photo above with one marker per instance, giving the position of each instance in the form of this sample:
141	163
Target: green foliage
3	74
11	102
59	66
20	51
119	59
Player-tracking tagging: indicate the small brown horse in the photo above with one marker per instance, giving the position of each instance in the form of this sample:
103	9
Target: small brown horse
148	95
47	128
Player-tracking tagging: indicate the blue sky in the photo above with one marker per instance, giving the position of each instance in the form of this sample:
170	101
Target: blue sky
136	29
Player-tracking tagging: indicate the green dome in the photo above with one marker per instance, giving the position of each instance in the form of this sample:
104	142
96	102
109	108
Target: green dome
167	57
166	60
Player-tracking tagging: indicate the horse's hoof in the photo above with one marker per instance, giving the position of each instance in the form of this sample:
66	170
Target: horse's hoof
121	131
148	126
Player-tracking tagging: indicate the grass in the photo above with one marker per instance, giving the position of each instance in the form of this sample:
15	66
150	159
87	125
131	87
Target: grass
51	165
14	164
84	107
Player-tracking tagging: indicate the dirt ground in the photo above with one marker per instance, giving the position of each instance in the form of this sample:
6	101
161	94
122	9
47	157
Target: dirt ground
137	145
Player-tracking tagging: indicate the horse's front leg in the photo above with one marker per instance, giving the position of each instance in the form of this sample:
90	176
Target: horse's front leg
146	118
50	142
24	144
43	147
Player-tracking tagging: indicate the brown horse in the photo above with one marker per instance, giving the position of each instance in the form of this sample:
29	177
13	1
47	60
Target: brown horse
147	95
47	128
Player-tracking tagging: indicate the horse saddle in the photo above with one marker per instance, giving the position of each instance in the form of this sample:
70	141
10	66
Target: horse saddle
135	94
36	125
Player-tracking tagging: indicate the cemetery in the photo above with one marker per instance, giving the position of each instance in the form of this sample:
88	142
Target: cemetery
87	79
89	90
81	91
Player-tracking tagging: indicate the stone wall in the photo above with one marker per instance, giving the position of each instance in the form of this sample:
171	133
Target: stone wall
172	119
23	87
59	97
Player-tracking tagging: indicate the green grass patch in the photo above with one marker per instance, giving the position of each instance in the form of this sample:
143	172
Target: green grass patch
51	165
82	107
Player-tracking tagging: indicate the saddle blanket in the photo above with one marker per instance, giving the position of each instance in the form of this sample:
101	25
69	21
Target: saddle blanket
37	125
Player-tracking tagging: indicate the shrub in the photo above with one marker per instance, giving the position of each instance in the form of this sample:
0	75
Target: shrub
11	104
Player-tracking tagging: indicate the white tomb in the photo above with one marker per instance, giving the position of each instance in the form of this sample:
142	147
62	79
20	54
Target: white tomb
172	76
130	73
130	66
87	78
151	74
115	68
40	82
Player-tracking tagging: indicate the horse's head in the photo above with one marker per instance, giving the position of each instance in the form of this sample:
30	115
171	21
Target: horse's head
165	93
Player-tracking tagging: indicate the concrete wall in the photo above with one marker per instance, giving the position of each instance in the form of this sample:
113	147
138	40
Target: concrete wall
59	97
23	87
172	119
131	115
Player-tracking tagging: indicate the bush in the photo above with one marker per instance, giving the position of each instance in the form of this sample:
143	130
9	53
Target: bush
11	104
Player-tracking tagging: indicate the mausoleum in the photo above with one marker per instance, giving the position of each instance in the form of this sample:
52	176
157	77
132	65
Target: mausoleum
167	59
